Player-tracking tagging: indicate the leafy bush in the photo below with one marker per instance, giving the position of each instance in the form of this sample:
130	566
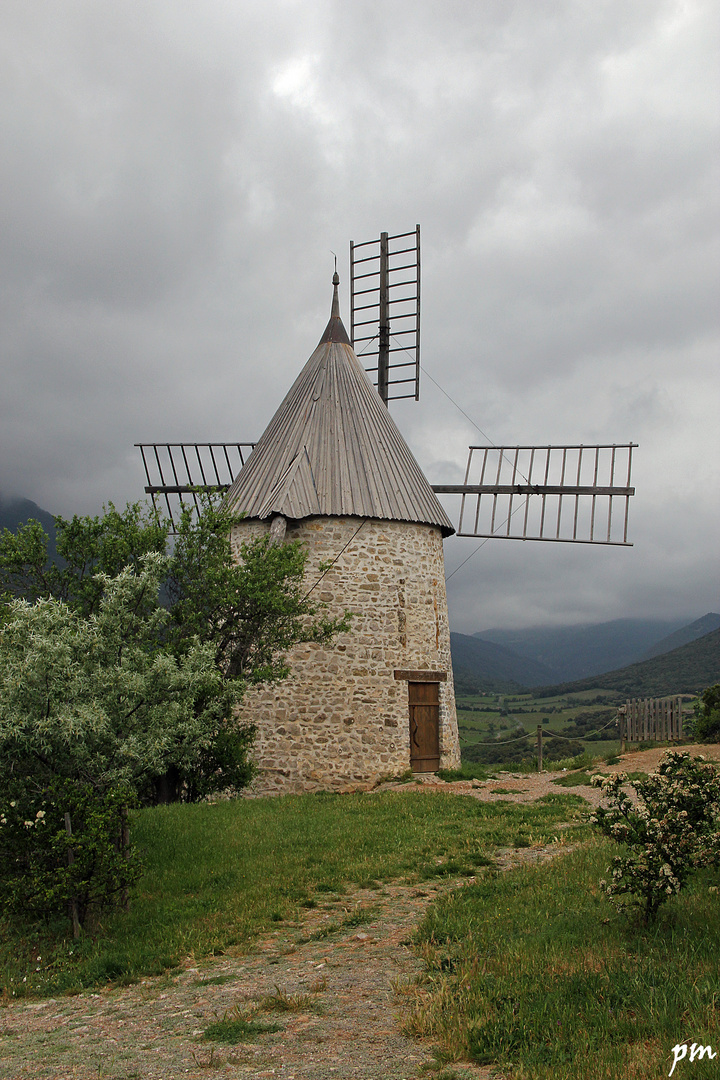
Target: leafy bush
589	725
96	699
707	715
670	831
559	749
498	751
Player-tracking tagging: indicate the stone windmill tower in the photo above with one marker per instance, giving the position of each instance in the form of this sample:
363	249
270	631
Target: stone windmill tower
333	471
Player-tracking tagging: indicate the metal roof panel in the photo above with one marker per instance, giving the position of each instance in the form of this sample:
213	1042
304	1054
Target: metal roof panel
333	449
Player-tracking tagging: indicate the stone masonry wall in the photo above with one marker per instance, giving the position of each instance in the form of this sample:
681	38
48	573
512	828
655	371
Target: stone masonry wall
341	719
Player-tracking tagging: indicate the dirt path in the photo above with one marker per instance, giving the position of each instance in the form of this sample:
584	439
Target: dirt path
342	1022
520	787
335	991
647	760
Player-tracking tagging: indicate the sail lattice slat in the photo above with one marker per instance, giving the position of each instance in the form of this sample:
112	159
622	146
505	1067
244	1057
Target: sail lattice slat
385	311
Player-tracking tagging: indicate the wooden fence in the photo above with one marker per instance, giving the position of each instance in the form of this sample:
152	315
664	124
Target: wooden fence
651	720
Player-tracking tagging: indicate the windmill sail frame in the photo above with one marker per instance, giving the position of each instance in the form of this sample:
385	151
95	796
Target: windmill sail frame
178	472
387	302
563	494
574	502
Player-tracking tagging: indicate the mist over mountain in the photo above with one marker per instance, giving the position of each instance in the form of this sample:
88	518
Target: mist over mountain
684	635
576	652
687	669
482	666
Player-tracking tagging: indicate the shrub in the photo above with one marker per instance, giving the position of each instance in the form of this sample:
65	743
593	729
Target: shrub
106	694
671	830
707	715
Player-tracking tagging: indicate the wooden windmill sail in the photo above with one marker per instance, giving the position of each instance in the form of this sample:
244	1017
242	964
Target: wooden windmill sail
556	493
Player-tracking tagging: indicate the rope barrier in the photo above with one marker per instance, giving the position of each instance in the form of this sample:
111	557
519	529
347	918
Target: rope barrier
548	735
505	742
578	738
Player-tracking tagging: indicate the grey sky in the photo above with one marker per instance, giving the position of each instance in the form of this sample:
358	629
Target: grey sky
175	174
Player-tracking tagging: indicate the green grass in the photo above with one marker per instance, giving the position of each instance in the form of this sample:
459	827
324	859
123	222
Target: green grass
573	779
469	770
231	1030
532	970
359	917
218	875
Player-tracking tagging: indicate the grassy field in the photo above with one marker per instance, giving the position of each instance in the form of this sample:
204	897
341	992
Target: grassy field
218	875
534	971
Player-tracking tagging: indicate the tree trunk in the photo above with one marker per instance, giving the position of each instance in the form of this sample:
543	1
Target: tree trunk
168	786
72	903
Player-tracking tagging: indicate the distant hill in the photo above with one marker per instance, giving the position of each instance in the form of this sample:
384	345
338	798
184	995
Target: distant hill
483	666
686	670
576	652
14	512
684	635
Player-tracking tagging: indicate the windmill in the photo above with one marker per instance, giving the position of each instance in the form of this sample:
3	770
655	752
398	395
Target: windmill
333	471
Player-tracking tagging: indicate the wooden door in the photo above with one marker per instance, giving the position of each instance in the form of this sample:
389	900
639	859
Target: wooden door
424	726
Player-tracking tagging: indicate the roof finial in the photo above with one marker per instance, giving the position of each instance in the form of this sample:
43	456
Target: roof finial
335	310
335	331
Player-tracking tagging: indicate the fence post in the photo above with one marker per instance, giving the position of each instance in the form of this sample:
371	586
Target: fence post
539	747
621	718
73	899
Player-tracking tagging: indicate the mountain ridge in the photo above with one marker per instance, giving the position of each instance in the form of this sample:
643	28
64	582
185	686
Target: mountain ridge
685	670
578	652
684	635
482	665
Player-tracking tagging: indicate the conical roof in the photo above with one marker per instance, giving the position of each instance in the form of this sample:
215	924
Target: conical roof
333	449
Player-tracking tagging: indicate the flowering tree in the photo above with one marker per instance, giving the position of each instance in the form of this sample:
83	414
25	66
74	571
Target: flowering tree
98	699
671	829
93	710
248	613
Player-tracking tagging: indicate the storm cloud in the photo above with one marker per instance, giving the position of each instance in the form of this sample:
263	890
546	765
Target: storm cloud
175	176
